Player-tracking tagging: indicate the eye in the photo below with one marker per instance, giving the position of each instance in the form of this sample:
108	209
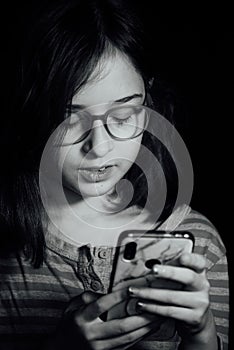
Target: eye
75	119
121	121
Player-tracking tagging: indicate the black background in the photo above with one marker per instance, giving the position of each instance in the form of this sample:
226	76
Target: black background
193	53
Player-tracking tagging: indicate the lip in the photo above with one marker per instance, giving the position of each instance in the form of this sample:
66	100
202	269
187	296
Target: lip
93	175
95	168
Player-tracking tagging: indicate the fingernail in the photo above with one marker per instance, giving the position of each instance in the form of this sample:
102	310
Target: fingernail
131	291
155	269
140	306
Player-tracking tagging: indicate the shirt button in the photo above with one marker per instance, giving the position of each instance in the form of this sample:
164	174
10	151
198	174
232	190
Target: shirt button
95	285
102	254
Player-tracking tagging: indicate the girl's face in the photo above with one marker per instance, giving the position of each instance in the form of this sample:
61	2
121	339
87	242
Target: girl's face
117	82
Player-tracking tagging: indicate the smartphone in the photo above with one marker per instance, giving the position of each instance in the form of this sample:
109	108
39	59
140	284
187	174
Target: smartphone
137	252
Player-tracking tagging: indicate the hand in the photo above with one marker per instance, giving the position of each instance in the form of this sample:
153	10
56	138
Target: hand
189	306
87	328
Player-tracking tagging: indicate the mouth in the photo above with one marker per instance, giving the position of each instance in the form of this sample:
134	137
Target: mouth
101	168
96	174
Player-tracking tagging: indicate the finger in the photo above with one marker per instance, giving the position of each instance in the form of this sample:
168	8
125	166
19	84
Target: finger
88	297
129	338
186	276
118	327
171	297
194	261
181	314
103	304
80	300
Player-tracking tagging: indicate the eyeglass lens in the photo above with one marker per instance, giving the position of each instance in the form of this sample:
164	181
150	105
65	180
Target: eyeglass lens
121	123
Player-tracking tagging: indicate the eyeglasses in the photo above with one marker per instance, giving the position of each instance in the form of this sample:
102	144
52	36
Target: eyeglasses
121	122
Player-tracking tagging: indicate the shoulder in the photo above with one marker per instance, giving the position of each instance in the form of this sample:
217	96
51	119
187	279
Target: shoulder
202	227
207	239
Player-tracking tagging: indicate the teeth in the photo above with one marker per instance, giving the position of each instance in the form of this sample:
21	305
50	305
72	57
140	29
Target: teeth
95	175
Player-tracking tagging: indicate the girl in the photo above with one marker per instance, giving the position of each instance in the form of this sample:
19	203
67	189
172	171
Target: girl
83	65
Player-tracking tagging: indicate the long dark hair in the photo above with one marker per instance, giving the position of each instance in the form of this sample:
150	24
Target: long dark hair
62	45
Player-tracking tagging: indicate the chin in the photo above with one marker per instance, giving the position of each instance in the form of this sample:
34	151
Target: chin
95	189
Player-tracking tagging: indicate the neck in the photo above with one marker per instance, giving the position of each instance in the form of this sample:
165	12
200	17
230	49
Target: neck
91	219
94	220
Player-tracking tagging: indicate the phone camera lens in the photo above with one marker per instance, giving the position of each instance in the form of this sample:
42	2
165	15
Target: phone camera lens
130	251
150	263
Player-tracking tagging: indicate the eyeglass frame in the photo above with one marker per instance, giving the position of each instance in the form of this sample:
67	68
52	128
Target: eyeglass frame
103	117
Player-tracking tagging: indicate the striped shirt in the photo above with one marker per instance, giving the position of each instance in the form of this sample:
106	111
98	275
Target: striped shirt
32	301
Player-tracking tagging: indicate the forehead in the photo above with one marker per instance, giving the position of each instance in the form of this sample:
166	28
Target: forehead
114	78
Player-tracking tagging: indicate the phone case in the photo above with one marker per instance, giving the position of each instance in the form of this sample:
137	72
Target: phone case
150	248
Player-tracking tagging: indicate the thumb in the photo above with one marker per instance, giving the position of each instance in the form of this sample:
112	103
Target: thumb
88	297
81	300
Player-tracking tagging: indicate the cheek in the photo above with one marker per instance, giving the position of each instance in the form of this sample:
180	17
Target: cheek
68	163
132	149
72	157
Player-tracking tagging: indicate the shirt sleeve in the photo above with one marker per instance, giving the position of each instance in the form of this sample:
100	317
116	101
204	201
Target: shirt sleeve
208	242
219	299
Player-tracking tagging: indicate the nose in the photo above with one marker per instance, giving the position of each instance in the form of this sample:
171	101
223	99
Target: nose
99	142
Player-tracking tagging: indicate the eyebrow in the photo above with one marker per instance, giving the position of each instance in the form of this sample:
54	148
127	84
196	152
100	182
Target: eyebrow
123	100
